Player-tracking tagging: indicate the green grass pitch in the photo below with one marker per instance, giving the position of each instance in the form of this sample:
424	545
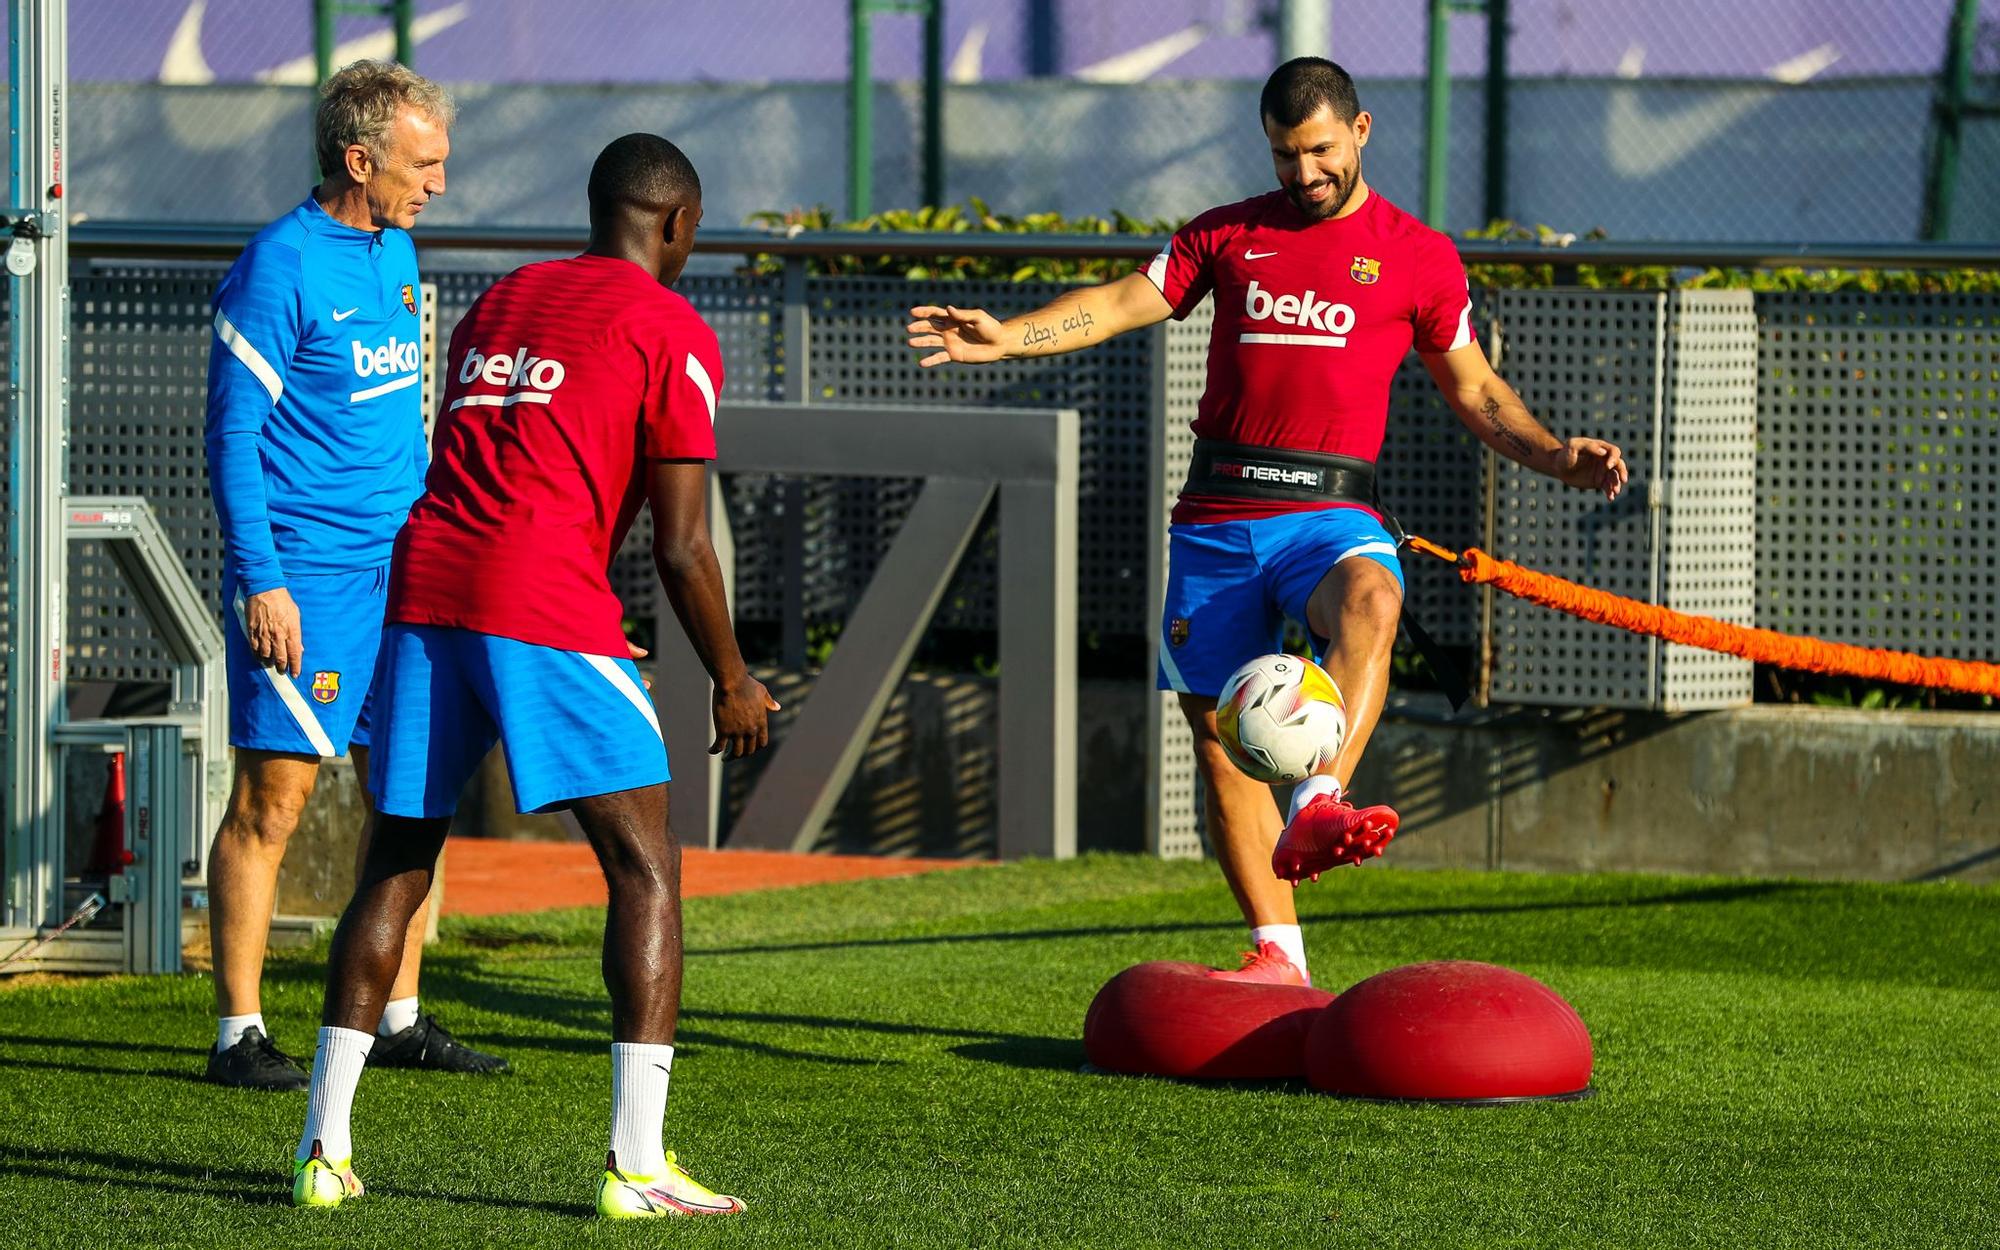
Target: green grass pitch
896	1063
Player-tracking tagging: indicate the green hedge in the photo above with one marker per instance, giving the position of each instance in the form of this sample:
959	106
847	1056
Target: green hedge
976	218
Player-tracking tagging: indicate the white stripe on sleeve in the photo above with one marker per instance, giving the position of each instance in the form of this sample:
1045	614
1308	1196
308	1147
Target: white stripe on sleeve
1464	335
1156	269
252	360
699	376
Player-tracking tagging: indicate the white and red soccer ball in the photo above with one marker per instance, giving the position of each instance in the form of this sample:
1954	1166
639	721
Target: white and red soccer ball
1280	718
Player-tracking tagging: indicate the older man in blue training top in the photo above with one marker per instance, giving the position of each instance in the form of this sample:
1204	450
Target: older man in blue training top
315	453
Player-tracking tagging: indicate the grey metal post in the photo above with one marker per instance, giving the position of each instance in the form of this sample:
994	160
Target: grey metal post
157	807
682	695
797	383
1038	653
1304	29
38	391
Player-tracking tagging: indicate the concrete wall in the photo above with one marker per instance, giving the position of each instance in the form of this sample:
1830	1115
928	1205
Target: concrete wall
1756	791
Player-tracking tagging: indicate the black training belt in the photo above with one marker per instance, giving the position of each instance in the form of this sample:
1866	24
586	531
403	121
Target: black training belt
1238	471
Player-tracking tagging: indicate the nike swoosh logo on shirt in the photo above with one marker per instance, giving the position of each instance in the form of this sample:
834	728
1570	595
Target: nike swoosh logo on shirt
342	316
1254	254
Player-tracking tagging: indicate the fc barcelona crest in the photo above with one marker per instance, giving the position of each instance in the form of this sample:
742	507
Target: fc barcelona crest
1177	631
1365	271
410	297
326	686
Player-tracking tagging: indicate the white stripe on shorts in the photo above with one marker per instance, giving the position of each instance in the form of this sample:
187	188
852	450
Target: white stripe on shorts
1368	549
289	694
1171	669
621	679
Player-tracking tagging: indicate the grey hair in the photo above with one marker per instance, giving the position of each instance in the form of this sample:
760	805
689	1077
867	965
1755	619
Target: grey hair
358	105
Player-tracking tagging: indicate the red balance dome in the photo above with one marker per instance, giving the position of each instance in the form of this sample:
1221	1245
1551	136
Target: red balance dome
1452	1031
1174	1019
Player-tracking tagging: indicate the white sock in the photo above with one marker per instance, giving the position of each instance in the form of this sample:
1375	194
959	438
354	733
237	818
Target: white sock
1308	790
400	1014
1289	940
337	1064
639	1074
230	1029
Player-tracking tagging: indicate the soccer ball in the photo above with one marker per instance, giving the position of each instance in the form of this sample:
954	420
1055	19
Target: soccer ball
1280	718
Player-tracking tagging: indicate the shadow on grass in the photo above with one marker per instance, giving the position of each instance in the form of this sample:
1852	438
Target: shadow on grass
1045	1054
100	1043
986	1044
254	1188
248	1187
1705	894
190	1073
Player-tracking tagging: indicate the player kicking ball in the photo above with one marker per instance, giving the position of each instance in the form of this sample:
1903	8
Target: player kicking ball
1321	289
577	389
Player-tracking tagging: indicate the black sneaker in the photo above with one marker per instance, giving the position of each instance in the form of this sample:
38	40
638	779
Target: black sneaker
426	1044
255	1062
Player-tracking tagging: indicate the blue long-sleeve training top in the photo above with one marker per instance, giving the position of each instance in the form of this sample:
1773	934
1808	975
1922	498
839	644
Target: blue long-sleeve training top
315	416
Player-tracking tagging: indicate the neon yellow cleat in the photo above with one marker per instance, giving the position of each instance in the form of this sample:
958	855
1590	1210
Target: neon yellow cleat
672	1192
320	1182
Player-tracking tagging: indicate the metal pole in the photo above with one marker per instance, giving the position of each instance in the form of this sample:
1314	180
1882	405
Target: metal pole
1947	113
860	112
1498	35
323	39
934	103
38	395
405	47
1437	115
1304	29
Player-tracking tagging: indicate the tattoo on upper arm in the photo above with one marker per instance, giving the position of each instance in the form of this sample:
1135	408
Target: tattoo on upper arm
1507	434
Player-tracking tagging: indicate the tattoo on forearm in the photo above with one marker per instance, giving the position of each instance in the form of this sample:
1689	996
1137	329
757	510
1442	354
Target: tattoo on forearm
1040	333
1506	433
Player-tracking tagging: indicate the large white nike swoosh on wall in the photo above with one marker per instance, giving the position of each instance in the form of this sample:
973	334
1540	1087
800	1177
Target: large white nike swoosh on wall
185	66
1642	143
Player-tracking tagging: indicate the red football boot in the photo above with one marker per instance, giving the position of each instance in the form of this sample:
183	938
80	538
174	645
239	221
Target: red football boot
1329	832
1267	965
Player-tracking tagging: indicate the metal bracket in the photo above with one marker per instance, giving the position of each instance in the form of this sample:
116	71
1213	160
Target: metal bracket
33	223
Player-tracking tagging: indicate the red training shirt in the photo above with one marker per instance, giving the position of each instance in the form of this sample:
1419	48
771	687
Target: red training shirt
562	381
1312	319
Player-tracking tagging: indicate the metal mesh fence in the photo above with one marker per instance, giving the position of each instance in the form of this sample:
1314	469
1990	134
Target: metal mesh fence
1712	120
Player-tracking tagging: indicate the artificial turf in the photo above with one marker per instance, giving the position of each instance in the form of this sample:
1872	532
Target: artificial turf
896	1062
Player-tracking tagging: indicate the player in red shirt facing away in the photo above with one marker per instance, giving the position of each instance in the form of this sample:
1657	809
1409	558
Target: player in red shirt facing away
1321	288
576	389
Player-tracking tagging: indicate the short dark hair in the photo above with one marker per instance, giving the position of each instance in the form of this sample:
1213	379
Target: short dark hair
642	171
1300	87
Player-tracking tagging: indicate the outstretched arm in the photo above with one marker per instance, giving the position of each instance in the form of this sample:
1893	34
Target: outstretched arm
688	569
1076	319
1495	414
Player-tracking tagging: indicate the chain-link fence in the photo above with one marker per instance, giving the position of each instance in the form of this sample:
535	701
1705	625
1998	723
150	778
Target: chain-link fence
1705	119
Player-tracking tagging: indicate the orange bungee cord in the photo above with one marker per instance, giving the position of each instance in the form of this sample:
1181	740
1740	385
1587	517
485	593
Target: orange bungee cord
1761	646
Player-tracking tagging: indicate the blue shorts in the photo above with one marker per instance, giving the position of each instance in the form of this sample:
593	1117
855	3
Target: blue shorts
326	708
1231	584
573	725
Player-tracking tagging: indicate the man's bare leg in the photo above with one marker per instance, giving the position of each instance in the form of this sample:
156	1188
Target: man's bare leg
409	1038
1356	607
413	943
266	799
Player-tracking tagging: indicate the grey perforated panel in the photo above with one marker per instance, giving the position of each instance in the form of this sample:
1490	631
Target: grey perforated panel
1184	375
859	356
1878	477
139	368
1671	379
1589	362
1708	535
1431	478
